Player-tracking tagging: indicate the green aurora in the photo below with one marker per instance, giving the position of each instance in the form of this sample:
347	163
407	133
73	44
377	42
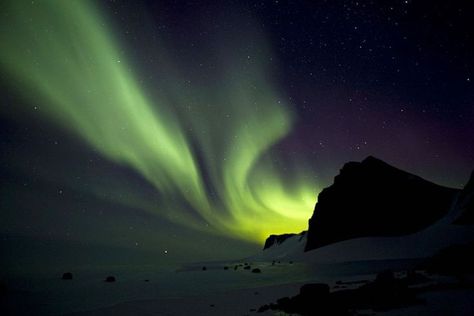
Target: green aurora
206	146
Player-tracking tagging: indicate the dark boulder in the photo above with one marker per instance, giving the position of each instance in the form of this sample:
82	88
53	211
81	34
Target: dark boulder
110	279
256	270
414	278
319	290
385	278
3	289
274	240
67	276
263	308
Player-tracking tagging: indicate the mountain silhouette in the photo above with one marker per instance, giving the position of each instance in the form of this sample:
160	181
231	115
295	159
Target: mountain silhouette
372	198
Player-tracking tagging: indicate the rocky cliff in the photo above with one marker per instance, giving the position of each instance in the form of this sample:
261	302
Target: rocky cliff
274	240
372	198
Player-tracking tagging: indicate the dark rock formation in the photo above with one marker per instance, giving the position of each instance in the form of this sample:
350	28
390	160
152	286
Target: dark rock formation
385	293
372	198
276	240
67	276
466	204
319	290
263	309
273	240
110	279
3	289
257	270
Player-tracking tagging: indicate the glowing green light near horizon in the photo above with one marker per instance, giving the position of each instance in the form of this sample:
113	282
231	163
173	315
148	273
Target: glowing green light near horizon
64	59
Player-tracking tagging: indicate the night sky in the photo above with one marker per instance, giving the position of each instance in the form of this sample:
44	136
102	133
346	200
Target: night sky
189	130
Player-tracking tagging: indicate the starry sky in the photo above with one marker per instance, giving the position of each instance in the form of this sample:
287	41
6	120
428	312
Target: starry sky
189	130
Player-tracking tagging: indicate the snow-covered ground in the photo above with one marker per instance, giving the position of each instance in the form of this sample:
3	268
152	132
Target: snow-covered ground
173	291
189	289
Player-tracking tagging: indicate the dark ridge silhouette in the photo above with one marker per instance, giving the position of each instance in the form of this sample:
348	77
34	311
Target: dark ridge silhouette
372	198
279	239
466	203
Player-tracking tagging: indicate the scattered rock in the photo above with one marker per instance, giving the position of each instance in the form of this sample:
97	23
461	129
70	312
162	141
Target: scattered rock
319	290
385	278
204	268
146	280
413	277
256	270
226	268
385	293
110	279
67	276
263	308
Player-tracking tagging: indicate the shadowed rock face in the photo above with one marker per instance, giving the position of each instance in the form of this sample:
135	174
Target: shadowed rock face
372	198
278	239
466	203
